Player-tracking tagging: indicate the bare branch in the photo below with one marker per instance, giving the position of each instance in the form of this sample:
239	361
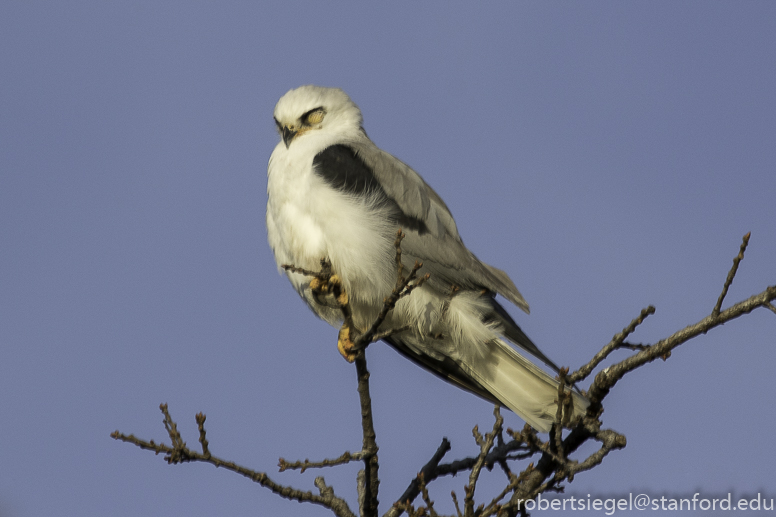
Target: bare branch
403	288
172	428
553	467
361	490
616	342
426	498
346	457
455	502
610	440
486	444
350	339
433	470
428	473
388	333
399	264
301	271
200	418
369	447
494	507
534	481
179	453
564	405
731	274
608	377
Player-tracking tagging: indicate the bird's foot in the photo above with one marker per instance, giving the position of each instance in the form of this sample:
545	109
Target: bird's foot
345	345
324	284
328	291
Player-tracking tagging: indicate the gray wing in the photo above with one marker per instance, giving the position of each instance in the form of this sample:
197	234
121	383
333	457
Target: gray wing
436	242
431	235
446	369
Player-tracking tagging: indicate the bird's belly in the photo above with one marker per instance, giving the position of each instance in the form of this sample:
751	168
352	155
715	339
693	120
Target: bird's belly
312	221
303	240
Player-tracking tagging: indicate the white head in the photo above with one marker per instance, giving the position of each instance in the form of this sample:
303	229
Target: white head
309	109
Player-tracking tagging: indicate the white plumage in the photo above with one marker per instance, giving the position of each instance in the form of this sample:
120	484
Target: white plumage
333	194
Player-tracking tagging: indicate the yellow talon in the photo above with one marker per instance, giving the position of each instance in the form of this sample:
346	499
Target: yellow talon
345	345
319	286
316	285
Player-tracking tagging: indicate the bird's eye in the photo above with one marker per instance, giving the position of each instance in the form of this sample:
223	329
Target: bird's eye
278	124
314	116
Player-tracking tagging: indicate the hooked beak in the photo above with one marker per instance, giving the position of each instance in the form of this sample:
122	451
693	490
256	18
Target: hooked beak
288	135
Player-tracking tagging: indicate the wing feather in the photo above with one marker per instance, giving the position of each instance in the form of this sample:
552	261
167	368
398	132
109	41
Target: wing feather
361	168
441	249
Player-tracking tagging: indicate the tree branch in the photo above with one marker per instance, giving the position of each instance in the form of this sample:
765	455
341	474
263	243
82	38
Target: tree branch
616	342
731	274
428	473
608	377
371	481
346	457
486	444
554	465
180	453
404	287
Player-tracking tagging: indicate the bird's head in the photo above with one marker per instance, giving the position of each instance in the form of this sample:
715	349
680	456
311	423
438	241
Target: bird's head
309	109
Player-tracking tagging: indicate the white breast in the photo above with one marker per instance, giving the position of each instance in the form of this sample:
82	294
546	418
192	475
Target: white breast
307	221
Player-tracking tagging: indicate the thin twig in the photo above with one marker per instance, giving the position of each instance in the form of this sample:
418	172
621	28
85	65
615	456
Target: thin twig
503	463
200	418
403	288
301	271
557	454
731	274
426	498
433	469
388	333
534	483
610	440
564	403
616	342
428	472
486	444
633	346
325	281
455	502
346	457
179	453
171	427
399	264
608	377
495	504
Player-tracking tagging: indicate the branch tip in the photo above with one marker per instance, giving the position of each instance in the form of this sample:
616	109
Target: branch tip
731	274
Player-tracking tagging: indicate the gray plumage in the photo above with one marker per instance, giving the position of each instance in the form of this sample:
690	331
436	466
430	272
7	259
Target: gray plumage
333	194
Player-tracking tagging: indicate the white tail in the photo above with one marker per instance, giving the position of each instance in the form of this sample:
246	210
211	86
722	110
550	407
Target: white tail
522	386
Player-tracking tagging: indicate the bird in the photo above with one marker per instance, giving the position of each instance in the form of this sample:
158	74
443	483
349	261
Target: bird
334	196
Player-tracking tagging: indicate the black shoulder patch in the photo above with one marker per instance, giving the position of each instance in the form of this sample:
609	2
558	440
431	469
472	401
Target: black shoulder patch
342	168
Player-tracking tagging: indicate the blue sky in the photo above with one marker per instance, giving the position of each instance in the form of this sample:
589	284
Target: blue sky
606	155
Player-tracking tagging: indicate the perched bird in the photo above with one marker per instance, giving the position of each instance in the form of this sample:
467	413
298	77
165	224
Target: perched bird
334	195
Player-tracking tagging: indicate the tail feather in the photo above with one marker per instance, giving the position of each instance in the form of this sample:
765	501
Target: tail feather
522	386
501	376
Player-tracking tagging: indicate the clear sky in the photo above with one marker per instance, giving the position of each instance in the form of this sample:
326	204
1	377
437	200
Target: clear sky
607	155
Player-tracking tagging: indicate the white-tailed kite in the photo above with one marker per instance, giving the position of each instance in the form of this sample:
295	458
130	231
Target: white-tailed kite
333	194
